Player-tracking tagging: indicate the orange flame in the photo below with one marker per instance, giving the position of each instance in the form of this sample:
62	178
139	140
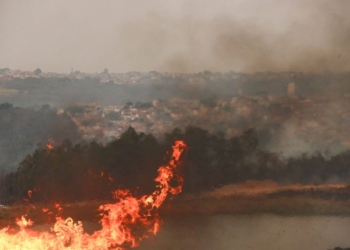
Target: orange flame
121	222
23	222
50	144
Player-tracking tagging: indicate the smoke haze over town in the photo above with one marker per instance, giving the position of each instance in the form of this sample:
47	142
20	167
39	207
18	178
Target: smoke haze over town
175	36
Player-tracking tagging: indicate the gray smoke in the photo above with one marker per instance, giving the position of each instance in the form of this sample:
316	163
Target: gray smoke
176	36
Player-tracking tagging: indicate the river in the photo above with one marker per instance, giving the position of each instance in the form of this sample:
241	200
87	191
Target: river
257	232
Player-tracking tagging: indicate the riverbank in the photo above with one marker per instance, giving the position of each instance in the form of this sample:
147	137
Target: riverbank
249	198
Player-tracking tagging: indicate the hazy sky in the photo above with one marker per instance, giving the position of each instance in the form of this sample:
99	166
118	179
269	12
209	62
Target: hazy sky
175	35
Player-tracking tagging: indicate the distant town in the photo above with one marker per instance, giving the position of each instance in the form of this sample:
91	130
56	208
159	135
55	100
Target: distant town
290	111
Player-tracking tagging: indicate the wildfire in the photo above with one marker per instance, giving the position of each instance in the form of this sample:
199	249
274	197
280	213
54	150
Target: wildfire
121	222
50	144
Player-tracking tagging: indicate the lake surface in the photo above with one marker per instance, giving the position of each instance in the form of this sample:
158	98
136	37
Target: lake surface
265	232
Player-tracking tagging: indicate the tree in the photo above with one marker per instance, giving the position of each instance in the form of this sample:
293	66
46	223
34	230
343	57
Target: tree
37	71
6	105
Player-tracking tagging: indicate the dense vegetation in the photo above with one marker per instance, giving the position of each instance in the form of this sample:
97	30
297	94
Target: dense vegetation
93	171
21	129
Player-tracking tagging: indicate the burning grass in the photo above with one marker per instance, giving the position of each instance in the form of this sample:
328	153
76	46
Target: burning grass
125	223
251	197
122	224
46	213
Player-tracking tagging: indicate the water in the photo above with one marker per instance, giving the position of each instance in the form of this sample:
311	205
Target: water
258	232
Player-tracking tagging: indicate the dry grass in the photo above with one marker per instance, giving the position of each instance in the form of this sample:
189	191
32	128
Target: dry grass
258	204
298	204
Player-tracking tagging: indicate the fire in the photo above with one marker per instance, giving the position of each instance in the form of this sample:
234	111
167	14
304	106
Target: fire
50	144
124	224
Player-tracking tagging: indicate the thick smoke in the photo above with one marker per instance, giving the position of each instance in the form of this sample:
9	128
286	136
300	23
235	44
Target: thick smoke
179	36
176	36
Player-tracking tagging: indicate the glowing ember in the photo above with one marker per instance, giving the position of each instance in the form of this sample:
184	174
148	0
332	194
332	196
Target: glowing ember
50	144
124	224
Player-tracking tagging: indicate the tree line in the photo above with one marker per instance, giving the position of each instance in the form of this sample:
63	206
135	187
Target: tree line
89	171
21	129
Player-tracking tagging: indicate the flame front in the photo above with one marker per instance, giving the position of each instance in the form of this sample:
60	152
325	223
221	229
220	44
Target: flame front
124	224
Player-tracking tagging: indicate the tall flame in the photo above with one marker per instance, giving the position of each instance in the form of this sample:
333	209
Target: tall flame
124	224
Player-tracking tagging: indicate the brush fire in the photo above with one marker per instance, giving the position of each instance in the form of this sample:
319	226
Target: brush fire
124	224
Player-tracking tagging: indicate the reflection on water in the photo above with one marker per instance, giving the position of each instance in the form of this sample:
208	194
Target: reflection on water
265	232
